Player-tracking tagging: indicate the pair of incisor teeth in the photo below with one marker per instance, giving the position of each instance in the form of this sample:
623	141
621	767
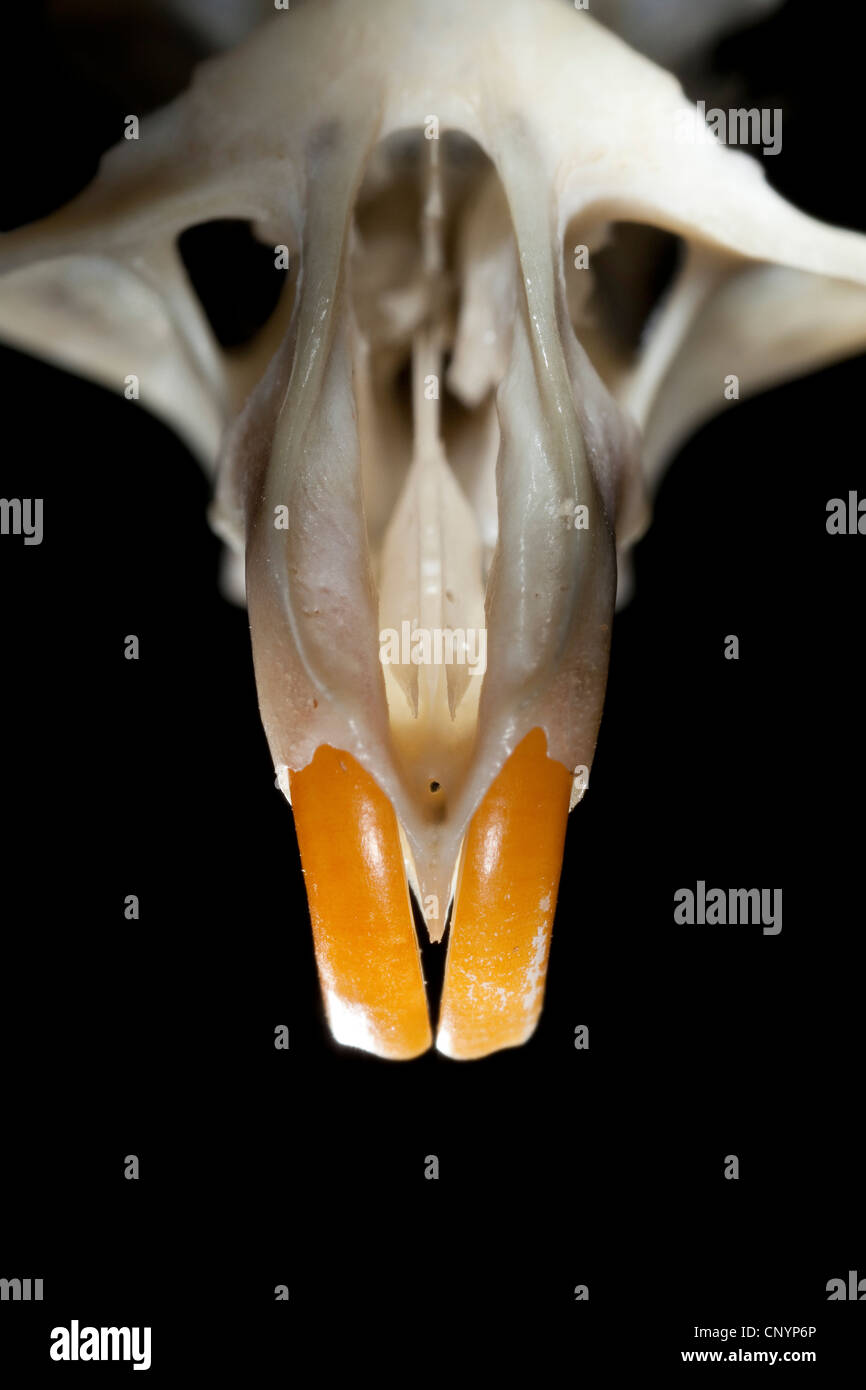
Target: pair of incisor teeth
363	925
437	427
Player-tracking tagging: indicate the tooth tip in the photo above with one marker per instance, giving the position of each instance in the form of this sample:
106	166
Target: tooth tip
470	1049
356	1026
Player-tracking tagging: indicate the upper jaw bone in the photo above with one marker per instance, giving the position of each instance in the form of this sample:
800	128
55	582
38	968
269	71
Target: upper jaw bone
316	609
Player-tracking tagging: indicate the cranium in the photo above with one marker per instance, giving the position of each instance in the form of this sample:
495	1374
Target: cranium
436	433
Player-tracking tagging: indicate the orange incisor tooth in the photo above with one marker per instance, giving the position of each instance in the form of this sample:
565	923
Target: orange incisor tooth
366	947
504	906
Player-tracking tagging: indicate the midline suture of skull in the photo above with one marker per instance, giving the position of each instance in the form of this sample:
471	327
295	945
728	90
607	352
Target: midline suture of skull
437	431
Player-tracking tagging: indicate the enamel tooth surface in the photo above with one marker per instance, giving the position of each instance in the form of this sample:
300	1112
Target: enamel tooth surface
366	947
434	434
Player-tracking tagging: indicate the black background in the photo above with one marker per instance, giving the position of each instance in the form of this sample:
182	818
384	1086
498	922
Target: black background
558	1167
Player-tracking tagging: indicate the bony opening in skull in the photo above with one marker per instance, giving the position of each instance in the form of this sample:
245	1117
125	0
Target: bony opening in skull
430	435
